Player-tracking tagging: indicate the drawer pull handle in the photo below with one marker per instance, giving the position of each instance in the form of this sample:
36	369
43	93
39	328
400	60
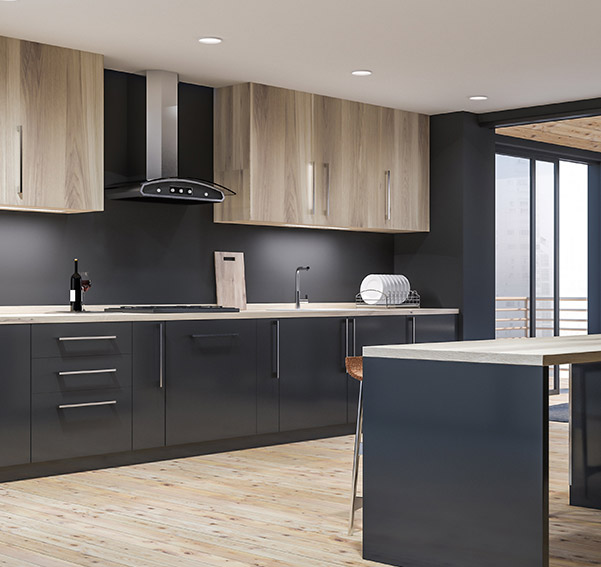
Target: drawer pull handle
217	336
88	404
76	372
97	338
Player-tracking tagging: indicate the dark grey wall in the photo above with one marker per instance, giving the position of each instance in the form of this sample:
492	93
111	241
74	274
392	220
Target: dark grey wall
454	264
155	253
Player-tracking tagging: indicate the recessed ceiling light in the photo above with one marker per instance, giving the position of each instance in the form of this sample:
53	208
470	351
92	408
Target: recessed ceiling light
210	40
361	73
478	97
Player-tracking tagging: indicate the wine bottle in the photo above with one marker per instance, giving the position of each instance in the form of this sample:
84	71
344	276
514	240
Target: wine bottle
75	290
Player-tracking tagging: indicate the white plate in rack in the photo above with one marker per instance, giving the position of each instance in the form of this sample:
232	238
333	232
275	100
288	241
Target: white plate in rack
405	288
373	290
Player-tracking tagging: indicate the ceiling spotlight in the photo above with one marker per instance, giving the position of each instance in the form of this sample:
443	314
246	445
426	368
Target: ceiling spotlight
361	73
210	40
478	97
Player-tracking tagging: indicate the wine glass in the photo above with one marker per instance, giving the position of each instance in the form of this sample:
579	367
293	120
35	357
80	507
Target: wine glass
86	284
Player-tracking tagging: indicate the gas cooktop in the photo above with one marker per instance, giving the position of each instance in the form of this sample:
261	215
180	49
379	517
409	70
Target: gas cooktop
173	309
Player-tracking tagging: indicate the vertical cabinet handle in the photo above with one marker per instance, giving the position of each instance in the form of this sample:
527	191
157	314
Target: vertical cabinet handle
346	343
413	321
161	355
354	349
387	186
20	168
327	173
276	350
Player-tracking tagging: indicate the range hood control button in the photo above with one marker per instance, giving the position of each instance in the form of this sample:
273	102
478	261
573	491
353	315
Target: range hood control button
181	190
189	191
159	190
172	190
206	194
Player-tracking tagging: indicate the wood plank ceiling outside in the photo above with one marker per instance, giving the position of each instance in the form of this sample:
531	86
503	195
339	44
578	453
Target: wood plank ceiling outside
582	133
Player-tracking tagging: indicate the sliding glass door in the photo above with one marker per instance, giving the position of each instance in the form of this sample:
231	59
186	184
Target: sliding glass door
541	249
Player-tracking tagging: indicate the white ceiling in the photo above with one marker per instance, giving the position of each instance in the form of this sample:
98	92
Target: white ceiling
426	55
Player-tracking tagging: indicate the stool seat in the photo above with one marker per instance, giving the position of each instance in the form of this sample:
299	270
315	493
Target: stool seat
354	367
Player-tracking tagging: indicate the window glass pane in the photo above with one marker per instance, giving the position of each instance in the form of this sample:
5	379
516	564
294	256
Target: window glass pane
512	245
545	247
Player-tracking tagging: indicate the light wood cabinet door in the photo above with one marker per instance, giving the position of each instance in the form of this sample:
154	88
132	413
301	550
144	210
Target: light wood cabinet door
10	188
328	146
263	152
283	175
410	173
54	127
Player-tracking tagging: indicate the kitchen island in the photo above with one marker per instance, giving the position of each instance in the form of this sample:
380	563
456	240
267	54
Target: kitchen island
456	449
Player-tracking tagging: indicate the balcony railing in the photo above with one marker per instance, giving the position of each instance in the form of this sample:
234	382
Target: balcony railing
513	316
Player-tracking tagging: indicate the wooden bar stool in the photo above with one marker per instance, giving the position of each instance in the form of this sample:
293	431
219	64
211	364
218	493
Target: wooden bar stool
354	367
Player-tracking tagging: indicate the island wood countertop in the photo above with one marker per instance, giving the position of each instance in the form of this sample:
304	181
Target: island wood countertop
537	351
34	314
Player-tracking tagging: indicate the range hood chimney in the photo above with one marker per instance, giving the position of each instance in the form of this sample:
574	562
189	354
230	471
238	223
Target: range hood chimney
162	180
161	124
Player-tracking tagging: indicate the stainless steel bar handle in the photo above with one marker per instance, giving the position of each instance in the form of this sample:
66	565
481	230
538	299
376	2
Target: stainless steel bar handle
96	338
88	404
20	186
413	321
217	336
327	168
354	337
313	187
277	350
161	355
78	372
346	343
387	178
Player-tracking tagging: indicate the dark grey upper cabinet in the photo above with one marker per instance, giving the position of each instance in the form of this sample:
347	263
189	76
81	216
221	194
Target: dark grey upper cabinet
210	380
312	379
14	395
148	375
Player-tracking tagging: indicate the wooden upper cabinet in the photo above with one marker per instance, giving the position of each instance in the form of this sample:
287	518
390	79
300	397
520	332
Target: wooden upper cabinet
296	159
51	123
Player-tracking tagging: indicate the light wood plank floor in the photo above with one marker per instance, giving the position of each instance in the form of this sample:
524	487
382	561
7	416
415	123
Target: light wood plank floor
283	506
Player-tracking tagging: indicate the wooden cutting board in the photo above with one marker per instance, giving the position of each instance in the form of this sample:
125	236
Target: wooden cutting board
230	279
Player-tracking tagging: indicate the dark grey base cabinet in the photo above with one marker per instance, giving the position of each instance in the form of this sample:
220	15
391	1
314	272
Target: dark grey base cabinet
211	380
14	394
149	385
81	423
301	373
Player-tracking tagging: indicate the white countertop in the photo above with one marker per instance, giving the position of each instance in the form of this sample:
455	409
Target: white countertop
26	314
539	351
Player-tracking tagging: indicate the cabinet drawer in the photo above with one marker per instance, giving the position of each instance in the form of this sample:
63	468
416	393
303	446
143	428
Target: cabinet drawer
80	373
79	424
80	339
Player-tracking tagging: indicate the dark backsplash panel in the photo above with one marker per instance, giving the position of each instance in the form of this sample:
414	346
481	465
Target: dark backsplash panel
163	253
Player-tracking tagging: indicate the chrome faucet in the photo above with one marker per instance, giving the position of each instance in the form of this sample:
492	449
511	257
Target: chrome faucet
297	284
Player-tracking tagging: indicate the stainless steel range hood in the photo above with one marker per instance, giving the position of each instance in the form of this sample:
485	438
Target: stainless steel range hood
162	182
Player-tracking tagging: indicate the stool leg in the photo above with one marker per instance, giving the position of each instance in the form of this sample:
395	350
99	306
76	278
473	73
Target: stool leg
356	455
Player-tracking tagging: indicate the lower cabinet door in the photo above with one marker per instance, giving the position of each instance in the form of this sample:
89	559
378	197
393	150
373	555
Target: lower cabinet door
148	377
80	424
435	328
14	395
312	378
369	331
211	380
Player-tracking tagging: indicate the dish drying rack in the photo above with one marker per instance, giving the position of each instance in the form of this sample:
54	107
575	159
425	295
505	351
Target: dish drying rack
412	300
